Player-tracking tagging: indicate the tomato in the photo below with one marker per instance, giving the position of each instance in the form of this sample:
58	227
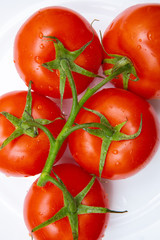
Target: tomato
31	50
41	203
25	156
133	34
124	158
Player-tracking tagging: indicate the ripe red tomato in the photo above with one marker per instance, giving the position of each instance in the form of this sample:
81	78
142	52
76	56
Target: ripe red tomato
31	50
25	156
41	203
126	157
134	34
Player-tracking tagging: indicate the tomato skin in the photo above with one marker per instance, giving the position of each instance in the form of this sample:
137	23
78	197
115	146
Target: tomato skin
133	33
31	49
25	156
124	158
41	203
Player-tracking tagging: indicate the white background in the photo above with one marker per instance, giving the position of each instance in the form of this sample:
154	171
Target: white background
140	194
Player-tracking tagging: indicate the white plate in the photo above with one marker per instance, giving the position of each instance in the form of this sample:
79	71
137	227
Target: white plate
140	194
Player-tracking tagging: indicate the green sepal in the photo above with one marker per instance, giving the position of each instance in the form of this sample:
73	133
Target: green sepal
108	133
61	54
103	119
71	206
46	121
17	133
69	211
59	215
28	107
120	63
84	209
119	136
58	179
96	132
104	150
43	121
14	120
79	197
23	125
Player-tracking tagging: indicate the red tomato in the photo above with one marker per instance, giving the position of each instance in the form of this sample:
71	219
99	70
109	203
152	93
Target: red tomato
31	50
124	158
134	34
25	156
41	203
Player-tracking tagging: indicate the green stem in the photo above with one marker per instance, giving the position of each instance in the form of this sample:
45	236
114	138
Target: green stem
75	104
51	156
68	127
61	137
76	108
108	131
66	69
73	206
91	91
55	182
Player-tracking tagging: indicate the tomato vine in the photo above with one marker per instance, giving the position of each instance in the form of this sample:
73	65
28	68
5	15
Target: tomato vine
28	125
64	62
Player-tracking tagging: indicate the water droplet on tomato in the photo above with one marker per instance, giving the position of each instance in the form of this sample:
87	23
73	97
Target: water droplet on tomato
115	152
149	36
39	107
139	47
37	59
42	46
76	154
117	163
50	88
40	35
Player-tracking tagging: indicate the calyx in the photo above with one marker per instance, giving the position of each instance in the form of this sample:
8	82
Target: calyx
73	206
108	133
65	58
22	125
122	63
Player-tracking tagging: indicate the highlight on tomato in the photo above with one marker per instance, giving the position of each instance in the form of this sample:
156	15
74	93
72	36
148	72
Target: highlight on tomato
125	139
45	40
24	147
72	205
132	39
